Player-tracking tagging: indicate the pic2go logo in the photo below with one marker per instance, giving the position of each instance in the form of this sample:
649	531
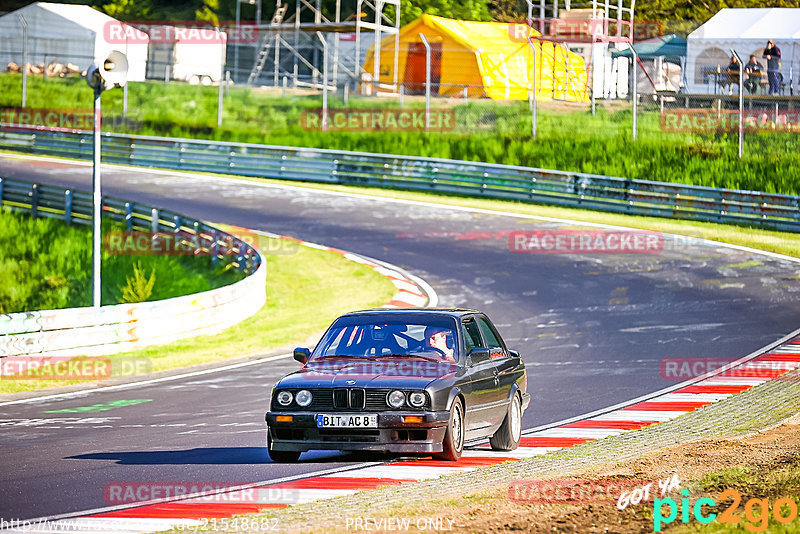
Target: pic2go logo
756	511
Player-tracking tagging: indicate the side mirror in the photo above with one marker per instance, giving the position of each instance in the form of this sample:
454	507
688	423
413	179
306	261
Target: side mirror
301	354
477	356
513	353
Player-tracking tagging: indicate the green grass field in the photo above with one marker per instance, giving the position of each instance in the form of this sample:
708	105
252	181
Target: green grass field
569	138
46	264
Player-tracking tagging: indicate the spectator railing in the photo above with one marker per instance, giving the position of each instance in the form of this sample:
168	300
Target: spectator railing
117	328
485	180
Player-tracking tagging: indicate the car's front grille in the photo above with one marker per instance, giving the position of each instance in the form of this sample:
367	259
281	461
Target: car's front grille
321	399
341	399
376	399
345	399
357	399
348	399
349	434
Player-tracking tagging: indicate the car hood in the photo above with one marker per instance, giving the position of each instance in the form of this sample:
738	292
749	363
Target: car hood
416	373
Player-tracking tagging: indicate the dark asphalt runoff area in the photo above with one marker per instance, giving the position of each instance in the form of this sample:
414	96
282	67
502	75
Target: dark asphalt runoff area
591	328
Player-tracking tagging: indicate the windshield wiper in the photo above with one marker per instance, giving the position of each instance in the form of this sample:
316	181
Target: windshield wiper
343	356
431	358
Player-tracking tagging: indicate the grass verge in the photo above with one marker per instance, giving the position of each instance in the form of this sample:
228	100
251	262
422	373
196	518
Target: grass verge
569	137
306	290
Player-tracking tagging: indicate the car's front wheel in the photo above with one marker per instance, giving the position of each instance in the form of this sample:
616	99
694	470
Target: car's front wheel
280	457
508	435
453	444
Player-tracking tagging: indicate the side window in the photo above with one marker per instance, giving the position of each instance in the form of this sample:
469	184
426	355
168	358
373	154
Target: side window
472	335
495	347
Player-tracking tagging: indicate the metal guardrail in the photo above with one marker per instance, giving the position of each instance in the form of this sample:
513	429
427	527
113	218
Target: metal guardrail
118	328
76	207
591	191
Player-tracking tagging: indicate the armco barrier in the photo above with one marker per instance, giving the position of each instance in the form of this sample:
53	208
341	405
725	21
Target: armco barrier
604	193
118	328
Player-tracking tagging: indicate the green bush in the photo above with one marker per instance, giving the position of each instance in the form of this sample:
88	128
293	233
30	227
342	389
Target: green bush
139	287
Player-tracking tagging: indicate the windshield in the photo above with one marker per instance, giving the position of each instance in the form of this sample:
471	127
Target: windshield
369	337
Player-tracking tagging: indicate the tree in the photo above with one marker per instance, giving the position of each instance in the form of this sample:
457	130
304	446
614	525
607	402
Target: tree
683	16
454	9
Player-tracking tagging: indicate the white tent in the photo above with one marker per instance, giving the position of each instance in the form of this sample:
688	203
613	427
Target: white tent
746	31
68	33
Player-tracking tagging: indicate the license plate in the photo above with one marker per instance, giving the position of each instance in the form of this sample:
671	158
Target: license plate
346	421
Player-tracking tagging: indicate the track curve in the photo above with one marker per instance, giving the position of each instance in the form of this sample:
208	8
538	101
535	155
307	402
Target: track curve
592	330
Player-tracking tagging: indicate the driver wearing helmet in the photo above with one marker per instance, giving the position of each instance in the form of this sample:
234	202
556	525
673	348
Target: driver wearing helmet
442	340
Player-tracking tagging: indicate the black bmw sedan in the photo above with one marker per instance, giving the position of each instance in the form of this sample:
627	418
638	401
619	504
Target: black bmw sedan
412	381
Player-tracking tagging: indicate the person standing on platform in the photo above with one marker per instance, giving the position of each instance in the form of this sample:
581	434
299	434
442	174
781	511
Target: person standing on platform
773	56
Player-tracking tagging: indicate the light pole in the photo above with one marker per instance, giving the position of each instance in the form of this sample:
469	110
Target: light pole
324	81
24	24
427	80
741	103
238	32
634	96
533	88
111	72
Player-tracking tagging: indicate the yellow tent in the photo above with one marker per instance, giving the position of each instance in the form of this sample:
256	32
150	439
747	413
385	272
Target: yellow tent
486	57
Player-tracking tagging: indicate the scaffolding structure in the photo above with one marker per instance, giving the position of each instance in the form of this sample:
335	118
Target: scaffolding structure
620	11
590	28
291	45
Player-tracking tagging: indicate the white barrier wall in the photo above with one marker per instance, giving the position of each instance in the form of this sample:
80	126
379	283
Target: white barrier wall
124	327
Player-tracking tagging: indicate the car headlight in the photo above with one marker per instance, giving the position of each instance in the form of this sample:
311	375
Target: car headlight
285	398
303	397
416	399
396	399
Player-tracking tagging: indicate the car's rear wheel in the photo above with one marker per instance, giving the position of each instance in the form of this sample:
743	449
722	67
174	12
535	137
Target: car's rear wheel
453	444
281	457
508	435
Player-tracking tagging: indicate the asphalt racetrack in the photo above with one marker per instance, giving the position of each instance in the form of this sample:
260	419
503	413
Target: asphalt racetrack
593	330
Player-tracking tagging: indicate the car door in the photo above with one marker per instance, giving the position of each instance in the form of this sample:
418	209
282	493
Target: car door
504	367
480	387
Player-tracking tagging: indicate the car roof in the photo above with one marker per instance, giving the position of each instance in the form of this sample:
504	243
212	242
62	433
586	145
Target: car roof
435	312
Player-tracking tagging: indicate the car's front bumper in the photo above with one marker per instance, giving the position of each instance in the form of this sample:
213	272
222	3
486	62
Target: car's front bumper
393	434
